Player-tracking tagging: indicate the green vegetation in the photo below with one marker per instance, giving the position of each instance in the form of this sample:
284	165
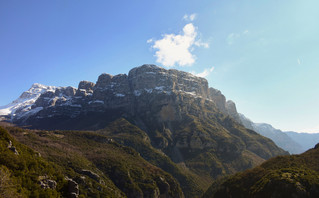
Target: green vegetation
20	172
169	158
127	134
284	176
101	167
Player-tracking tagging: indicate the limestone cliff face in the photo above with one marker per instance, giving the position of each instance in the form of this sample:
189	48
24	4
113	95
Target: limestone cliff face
226	107
219	99
232	110
150	78
148	89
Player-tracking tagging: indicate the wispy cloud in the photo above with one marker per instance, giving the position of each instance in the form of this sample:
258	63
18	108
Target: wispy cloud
204	73
191	17
298	61
232	37
176	49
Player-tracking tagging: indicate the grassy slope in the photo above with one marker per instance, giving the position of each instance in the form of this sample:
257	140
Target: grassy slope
130	135
20	173
234	149
227	147
120	168
284	176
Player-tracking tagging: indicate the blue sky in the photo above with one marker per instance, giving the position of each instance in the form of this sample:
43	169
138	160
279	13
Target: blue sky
263	55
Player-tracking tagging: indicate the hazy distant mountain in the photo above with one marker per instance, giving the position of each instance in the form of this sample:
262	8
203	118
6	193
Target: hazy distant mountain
171	118
306	140
280	138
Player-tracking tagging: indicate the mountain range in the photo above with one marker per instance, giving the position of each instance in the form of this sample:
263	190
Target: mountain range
306	140
24	107
168	119
293	142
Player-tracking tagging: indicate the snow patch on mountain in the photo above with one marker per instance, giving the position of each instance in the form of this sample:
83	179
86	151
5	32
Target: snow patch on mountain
25	101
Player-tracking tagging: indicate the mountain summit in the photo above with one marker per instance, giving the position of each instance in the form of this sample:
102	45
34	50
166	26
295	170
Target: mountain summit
21	107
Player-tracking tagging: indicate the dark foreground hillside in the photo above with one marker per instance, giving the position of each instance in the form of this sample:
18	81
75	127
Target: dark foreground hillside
76	164
284	176
117	161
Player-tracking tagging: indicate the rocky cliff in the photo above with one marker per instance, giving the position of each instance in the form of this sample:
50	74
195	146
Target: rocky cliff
127	92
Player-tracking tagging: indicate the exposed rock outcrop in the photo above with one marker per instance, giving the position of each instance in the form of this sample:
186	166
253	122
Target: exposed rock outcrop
47	183
226	107
12	148
86	85
219	99
91	174
73	188
232	110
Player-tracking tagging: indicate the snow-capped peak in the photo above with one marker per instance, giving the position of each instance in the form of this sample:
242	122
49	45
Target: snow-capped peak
26	100
34	92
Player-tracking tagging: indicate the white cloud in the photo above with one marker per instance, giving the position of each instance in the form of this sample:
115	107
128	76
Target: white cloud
199	43
176	49
298	61
232	37
205	73
191	17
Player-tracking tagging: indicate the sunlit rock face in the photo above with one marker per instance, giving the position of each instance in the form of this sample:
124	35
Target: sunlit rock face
146	89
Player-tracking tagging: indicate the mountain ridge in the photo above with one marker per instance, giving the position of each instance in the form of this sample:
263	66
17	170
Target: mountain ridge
107	84
306	140
281	138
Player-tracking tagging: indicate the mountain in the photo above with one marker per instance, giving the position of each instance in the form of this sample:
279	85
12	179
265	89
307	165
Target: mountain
284	176
172	119
281	139
306	140
21	107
